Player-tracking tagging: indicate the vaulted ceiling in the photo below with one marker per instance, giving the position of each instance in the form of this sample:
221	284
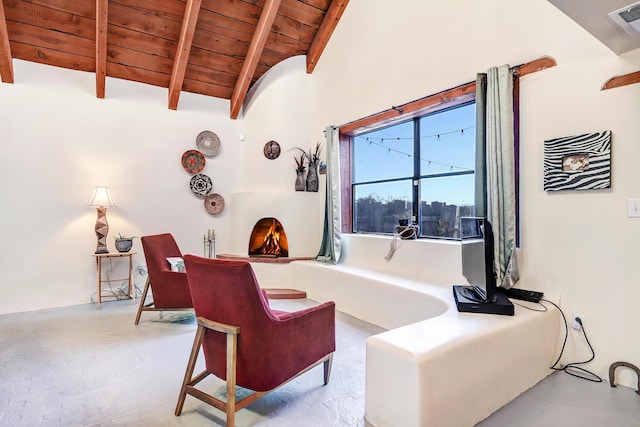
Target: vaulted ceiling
216	48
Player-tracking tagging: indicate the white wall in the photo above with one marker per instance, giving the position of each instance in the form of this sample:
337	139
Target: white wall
580	245
58	141
278	108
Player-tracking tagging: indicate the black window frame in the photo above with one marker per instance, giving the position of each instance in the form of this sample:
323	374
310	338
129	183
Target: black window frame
416	176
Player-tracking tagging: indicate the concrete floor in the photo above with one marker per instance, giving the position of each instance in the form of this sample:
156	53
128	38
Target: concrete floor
565	401
82	366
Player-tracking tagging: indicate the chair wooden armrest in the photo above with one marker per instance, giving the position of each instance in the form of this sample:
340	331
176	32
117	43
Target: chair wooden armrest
216	326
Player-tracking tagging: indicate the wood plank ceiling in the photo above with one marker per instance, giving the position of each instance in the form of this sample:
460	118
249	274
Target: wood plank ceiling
217	48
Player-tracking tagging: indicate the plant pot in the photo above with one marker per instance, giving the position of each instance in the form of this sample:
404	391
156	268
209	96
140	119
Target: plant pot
403	222
312	177
124	245
300	181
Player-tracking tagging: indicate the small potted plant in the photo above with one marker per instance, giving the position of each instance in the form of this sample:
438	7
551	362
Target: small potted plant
313	160
403	218
300	184
124	242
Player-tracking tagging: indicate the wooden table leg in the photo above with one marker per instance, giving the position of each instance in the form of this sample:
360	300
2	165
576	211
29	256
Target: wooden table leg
99	274
132	290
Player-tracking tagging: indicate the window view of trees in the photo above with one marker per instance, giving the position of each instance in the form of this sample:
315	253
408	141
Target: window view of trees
433	192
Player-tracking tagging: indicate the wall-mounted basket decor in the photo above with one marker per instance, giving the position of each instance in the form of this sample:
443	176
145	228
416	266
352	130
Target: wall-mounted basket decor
193	161
200	185
580	162
214	203
271	150
208	143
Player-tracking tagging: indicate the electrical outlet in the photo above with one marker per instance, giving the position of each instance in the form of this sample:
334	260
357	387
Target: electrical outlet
577	325
142	270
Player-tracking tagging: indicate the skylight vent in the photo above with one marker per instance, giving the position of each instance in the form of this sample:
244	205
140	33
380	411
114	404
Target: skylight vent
628	18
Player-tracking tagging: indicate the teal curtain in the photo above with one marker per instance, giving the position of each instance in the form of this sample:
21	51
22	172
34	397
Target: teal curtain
500	172
331	246
481	146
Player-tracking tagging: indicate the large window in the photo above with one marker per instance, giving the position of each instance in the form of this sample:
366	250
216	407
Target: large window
422	168
417	159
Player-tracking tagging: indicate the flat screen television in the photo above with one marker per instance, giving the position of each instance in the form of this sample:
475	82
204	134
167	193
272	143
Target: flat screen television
476	237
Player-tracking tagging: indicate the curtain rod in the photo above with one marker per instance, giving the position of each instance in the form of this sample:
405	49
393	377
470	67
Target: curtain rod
521	71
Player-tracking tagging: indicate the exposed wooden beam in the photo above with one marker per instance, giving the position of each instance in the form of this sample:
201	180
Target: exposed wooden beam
253	55
191	12
101	46
329	23
623	80
6	67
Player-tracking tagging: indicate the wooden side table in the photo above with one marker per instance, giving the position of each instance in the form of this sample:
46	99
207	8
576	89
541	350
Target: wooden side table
130	290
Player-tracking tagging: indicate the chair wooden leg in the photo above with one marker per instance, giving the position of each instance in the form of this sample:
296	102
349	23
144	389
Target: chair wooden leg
327	369
190	367
232	346
142	298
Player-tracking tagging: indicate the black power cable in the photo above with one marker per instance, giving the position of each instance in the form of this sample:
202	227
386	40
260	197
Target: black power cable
572	368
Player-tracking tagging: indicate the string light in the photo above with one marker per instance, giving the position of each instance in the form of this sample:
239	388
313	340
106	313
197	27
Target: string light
372	141
435	135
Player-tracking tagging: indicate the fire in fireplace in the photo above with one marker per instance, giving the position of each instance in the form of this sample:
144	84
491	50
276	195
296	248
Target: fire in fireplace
268	239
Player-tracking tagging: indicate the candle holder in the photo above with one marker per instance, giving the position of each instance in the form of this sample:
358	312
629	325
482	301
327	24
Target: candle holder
209	244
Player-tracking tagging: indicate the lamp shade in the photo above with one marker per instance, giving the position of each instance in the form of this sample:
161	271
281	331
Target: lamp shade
101	198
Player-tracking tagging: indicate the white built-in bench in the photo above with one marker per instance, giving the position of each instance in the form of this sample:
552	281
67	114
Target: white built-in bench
433	366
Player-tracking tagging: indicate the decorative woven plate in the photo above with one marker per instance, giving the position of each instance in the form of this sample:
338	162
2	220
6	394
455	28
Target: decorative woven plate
200	185
214	203
208	143
193	161
271	150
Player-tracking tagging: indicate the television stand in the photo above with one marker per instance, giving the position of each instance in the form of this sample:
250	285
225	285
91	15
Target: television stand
502	305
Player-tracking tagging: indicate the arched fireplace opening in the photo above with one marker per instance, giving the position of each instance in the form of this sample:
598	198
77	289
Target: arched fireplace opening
268	239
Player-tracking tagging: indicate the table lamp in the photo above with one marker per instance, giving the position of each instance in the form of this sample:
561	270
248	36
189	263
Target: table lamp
101	199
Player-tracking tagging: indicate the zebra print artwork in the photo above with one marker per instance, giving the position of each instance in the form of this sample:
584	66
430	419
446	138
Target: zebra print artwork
581	162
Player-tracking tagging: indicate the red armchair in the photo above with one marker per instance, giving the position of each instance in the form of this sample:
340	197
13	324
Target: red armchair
244	341
170	289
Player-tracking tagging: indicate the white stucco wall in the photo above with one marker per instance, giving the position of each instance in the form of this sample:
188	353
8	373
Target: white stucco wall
277	108
58	141
580	245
